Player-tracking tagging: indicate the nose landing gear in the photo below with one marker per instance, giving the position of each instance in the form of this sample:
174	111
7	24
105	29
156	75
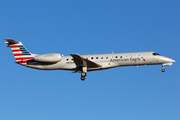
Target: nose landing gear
163	70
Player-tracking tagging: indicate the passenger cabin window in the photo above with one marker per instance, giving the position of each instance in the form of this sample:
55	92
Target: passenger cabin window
126	56
130	56
101	57
91	57
106	57
116	56
120	56
67	59
96	57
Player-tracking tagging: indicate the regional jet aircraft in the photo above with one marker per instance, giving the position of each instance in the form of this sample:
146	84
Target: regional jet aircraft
84	63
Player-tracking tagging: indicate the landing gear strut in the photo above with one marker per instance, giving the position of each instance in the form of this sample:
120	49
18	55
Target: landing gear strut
163	70
83	74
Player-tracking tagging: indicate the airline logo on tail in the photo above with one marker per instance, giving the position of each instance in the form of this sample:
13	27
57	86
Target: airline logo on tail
21	54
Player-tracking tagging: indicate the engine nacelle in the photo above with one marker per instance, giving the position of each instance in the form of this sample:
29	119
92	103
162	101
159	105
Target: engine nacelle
51	57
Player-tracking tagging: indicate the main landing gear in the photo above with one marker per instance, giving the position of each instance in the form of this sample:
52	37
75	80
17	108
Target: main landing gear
83	74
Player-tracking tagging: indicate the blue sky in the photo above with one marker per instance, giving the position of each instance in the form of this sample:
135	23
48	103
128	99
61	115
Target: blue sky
90	27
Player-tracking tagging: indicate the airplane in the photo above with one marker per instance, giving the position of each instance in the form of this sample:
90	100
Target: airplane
84	63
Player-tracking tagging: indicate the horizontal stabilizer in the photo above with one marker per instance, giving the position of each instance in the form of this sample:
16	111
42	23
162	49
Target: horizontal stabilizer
11	41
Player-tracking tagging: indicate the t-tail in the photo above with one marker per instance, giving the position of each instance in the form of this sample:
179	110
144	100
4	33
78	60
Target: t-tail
21	54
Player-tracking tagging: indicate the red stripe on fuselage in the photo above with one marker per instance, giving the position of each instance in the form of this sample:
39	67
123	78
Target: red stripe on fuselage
22	62
24	58
25	61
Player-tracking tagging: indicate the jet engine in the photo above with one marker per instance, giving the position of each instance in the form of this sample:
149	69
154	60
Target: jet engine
51	57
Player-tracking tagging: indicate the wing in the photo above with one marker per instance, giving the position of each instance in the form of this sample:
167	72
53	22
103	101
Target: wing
83	62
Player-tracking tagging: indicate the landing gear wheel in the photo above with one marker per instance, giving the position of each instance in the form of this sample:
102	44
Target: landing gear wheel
82	78
163	70
83	74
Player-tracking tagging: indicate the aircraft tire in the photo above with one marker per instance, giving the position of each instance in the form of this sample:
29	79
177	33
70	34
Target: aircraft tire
83	74
82	78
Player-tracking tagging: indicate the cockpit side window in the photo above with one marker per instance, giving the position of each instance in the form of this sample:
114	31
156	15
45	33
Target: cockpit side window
155	54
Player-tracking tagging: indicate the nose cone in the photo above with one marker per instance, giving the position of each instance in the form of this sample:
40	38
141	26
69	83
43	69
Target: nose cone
169	60
173	61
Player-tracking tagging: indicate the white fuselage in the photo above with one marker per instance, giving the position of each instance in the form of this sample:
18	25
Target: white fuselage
106	61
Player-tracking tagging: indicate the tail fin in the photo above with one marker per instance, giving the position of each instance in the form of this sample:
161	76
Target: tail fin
21	54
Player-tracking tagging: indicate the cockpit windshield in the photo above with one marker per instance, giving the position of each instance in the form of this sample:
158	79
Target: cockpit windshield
155	54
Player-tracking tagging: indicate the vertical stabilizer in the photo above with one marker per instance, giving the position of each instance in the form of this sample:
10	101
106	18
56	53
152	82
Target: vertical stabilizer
21	54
